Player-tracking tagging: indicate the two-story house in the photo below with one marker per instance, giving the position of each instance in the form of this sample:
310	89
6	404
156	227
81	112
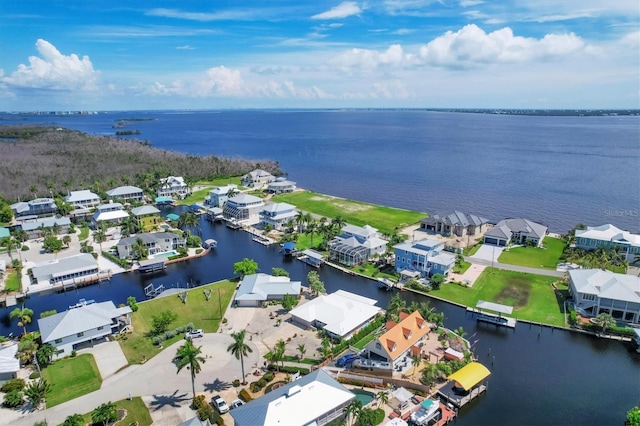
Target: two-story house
108	214
40	207
243	208
609	237
516	231
356	244
281	186
155	242
84	199
277	215
257	179
219	195
126	193
426	256
38	227
173	186
67	270
147	217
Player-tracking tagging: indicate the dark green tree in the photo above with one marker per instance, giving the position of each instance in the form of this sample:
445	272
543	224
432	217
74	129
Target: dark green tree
160	323
105	414
245	267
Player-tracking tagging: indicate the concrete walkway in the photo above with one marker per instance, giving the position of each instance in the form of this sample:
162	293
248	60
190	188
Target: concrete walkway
157	383
506	267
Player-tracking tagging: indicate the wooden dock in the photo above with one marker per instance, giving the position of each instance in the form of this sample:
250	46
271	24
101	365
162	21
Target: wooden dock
448	394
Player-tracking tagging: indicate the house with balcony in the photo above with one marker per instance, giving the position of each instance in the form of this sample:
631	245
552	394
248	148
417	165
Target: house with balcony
356	244
257	179
155	242
611	238
66	270
243	208
147	217
426	257
401	342
455	223
38	227
84	199
173	187
219	195
597	291
68	330
110	214
516	231
281	186
277	215
126	193
39	207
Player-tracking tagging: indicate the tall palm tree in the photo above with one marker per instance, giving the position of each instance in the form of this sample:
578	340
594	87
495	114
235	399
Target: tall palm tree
338	222
24	316
189	356
382	397
302	350
311	229
415	362
353	409
280	348
34	190
460	331
300	220
188	221
100	237
240	349
605	321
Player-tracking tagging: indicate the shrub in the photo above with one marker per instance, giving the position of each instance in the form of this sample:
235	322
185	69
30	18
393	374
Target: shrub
291	370
236	383
190	326
198	251
244	395
12	399
24	248
198	402
169	334
205	412
274	385
268	376
13	384
34	375
73	353
255	387
131	301
157	340
262	383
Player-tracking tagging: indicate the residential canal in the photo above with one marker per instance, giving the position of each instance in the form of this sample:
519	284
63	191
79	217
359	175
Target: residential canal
539	376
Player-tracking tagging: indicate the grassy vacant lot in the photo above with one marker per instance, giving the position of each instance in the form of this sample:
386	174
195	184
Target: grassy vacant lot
12	282
386	219
464	265
198	196
531	296
84	233
137	412
546	258
202	313
71	378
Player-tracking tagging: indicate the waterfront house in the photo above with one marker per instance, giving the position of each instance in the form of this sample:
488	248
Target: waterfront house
147	217
356	244
277	215
9	363
281	186
126	193
595	291
257	179
68	330
173	186
38	227
609	237
243	208
516	231
219	195
455	223
255	289
426	257
155	242
84	199
401	341
340	314
65	271
314	399
40	207
109	214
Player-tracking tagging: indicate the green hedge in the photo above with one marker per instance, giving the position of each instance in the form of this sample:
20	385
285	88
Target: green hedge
290	370
245	395
115	259
620	331
344	344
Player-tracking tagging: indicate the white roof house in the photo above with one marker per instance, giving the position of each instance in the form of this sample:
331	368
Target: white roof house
173	186
244	208
314	399
109	213
9	364
127	192
257	288
144	210
608	236
219	195
65	269
257	178
597	290
277	214
281	185
82	199
34	208
340	313
67	329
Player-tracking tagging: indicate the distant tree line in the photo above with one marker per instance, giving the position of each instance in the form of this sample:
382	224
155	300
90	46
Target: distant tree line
40	161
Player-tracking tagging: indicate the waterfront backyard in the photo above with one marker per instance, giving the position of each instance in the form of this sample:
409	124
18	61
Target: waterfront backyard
546	257
532	296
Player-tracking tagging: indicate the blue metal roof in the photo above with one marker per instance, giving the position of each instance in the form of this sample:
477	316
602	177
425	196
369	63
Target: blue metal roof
289	245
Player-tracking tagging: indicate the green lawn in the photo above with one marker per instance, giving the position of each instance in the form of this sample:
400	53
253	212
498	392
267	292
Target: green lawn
198	196
464	265
202	313
532	296
546	258
84	233
12	282
304	241
136	409
470	251
364	341
371	270
71	378
386	219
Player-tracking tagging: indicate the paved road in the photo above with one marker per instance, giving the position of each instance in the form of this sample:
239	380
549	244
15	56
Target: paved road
157	380
528	270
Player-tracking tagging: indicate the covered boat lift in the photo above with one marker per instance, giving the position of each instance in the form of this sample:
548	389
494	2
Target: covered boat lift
312	257
465	384
491	317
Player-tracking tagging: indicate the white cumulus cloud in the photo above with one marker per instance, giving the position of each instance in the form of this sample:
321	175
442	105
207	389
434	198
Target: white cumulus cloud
53	71
367	60
340	11
471	46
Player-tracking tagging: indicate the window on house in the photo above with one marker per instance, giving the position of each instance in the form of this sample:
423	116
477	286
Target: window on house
100	328
58	341
80	334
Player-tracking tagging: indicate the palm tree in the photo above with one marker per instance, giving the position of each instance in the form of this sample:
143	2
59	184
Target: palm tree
24	316
353	409
302	350
311	229
382	397
105	413
430	374
74	420
125	180
396	304
188	221
67	185
239	349
460	331
100	237
605	321
36	392
415	362
280	348
45	353
34	190
66	240
338	222
300	220
189	356
139	249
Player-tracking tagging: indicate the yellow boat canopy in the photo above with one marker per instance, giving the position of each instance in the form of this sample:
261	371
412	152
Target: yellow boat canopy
470	375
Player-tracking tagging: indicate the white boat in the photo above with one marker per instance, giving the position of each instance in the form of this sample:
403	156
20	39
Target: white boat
427	412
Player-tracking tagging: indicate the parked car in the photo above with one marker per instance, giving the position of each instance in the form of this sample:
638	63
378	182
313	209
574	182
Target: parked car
219	404
346	360
236	403
192	334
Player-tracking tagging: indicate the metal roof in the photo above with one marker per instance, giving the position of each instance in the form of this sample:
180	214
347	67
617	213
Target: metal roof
470	375
496	307
260	286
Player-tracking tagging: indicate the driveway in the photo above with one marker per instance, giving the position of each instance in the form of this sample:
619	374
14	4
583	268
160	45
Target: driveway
488	253
109	357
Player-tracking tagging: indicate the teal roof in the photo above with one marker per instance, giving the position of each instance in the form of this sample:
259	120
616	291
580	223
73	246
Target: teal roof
173	216
4	232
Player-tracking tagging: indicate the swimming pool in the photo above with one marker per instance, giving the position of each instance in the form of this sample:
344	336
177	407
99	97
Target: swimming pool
363	396
165	254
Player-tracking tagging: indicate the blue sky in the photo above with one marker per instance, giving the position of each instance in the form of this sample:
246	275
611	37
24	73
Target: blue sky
106	55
